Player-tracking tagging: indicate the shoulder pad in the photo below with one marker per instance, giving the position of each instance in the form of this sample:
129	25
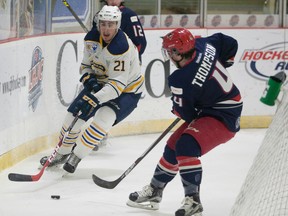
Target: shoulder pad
127	11
119	44
92	35
128	15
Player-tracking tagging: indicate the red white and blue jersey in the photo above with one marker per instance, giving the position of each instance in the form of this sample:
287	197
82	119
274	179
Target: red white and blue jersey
131	25
203	87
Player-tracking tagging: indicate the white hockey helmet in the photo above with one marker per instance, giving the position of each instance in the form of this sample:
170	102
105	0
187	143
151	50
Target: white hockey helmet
109	13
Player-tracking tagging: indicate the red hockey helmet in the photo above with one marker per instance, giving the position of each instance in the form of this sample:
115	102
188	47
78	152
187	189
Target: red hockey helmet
178	41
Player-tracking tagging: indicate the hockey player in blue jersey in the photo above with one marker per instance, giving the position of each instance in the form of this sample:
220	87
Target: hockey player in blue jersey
113	84
208	101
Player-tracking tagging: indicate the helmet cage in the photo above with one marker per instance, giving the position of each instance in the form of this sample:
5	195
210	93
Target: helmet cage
167	53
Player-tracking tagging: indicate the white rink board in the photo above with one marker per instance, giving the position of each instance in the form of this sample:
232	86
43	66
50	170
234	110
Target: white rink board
58	83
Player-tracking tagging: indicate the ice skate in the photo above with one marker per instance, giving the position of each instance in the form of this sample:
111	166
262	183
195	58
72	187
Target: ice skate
58	160
191	207
72	163
148	198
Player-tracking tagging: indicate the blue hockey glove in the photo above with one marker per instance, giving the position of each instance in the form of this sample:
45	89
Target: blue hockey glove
83	104
90	82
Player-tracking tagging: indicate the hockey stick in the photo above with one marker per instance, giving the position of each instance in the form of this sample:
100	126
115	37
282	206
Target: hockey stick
75	15
28	178
112	184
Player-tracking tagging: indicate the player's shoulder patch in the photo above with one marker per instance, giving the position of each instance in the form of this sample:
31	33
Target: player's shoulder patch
127	13
91	40
119	44
134	19
91	46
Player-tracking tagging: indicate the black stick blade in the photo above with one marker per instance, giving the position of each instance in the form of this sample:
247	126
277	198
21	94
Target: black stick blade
112	184
105	184
19	177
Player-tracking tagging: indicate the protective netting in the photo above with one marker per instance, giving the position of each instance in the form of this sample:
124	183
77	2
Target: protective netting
265	190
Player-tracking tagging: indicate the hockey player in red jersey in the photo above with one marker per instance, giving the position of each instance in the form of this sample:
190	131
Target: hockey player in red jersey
205	97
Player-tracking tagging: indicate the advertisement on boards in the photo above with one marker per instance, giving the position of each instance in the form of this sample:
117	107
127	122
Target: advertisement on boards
40	77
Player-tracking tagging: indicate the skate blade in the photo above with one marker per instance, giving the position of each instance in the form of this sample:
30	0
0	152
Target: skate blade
65	174
146	205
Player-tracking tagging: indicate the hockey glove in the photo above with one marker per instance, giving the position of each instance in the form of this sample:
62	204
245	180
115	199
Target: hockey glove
90	82
83	104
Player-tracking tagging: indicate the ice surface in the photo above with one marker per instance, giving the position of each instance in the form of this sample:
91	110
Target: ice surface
224	170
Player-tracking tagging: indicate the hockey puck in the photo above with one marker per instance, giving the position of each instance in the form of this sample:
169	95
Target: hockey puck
55	197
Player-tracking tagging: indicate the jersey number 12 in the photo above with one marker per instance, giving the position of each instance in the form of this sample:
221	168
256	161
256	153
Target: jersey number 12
137	31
